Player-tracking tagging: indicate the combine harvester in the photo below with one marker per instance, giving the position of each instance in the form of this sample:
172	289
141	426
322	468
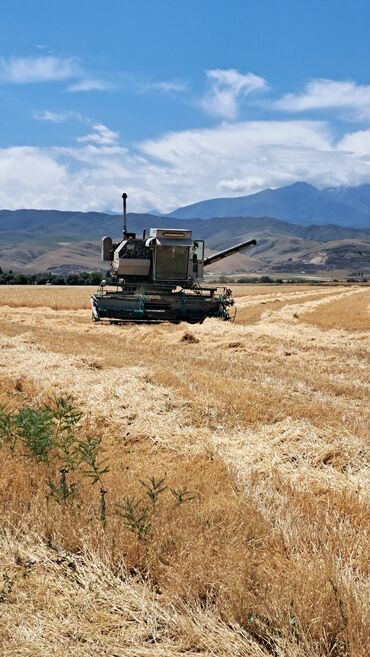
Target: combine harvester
158	278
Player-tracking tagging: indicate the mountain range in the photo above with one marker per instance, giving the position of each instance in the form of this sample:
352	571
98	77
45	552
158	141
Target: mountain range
298	228
299	203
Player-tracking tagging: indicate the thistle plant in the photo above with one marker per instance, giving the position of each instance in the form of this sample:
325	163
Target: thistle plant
35	431
182	495
153	488
66	419
8	435
95	469
88	452
102	507
62	491
136	518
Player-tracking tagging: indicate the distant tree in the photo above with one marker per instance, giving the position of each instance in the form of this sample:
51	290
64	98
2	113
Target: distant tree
59	280
19	279
266	279
42	279
95	278
73	279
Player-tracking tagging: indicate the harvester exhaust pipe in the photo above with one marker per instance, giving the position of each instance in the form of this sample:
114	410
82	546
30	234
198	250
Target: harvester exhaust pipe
124	197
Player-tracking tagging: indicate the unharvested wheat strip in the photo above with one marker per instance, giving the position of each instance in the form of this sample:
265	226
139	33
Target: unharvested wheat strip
282	324
245	301
284	313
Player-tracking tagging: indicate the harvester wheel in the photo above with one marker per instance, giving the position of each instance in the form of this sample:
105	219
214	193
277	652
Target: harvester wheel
233	316
94	312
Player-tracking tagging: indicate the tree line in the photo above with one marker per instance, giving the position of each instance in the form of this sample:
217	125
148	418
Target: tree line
75	278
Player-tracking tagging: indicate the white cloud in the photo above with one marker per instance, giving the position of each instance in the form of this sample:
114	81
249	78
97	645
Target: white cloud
165	86
327	94
56	117
240	185
90	84
181	167
357	143
26	70
101	135
24	170
178	168
50	68
226	89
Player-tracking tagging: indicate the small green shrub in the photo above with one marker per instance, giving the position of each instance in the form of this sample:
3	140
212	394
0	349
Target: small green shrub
182	495
62	491
66	420
7	434
88	451
136	518
154	488
35	431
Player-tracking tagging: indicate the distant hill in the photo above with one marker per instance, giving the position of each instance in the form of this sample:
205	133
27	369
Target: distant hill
299	203
45	240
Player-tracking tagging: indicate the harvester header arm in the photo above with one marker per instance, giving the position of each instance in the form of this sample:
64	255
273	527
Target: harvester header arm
227	252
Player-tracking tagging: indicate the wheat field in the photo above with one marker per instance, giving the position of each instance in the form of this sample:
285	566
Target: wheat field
230	513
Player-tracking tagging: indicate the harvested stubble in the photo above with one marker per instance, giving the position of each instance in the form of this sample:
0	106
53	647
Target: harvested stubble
265	425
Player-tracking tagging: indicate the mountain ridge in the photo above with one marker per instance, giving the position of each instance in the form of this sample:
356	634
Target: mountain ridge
297	227
44	240
299	203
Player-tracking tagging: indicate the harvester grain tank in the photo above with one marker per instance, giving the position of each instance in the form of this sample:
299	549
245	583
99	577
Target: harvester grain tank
158	278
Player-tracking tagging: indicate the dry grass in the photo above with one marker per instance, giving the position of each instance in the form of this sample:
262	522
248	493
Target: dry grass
351	314
62	297
266	425
58	297
251	308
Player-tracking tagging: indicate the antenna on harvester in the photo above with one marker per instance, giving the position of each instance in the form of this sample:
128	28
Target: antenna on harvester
124	197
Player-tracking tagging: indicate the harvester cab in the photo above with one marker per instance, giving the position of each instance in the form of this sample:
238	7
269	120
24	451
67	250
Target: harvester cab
158	278
166	255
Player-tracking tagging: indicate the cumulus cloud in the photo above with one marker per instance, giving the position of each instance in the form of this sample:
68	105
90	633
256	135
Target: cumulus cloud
327	94
181	167
101	135
226	89
178	168
356	142
31	177
27	70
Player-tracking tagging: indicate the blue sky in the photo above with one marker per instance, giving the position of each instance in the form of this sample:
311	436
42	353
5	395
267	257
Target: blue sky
179	100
